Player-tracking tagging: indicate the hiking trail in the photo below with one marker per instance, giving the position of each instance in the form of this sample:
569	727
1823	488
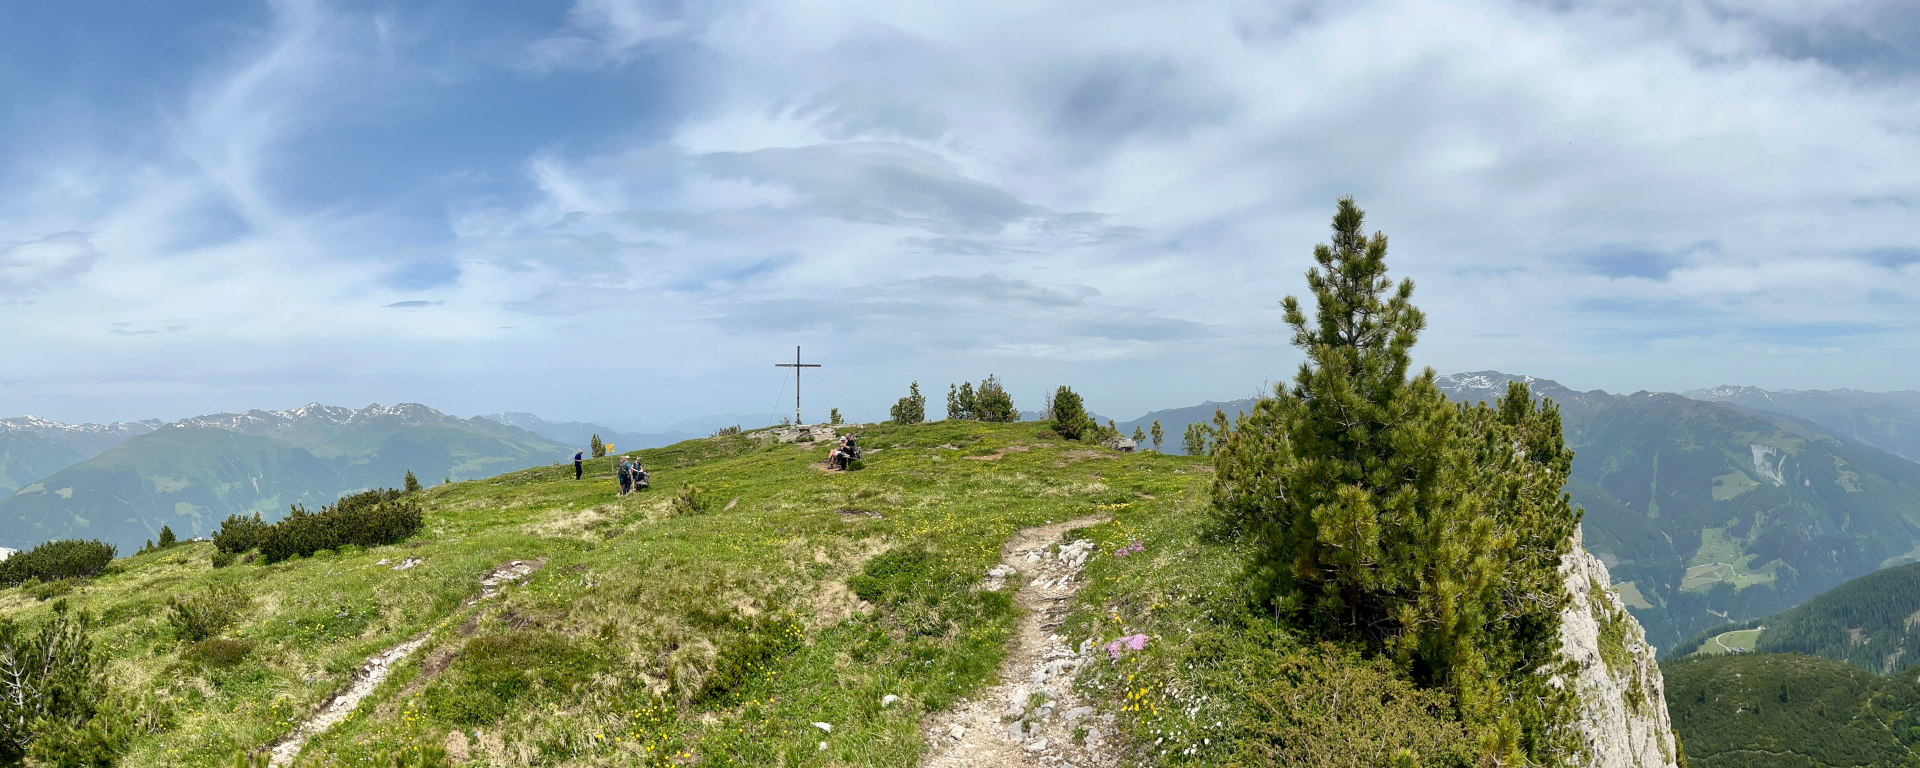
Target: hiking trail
376	669
1033	715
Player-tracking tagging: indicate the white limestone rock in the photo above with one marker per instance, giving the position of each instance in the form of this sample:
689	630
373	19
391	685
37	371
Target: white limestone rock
1623	710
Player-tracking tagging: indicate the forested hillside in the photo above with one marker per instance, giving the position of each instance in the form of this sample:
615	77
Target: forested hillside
1868	622
1791	711
33	448
191	475
1710	513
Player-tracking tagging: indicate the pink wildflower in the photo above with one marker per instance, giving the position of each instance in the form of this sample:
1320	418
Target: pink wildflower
1128	643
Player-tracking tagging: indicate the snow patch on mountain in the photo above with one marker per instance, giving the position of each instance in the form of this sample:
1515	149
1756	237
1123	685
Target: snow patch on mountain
40	426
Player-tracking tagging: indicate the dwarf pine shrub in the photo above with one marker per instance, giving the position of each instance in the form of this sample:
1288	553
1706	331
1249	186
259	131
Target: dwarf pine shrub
239	534
368	519
49	676
56	560
690	500
198	617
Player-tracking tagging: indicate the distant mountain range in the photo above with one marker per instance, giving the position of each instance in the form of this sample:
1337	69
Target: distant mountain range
193	473
1889	421
32	448
1708	512
580	433
1174	421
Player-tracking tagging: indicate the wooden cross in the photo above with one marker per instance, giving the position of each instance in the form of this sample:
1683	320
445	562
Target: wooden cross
796	365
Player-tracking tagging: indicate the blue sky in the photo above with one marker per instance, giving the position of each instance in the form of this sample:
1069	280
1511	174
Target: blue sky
627	211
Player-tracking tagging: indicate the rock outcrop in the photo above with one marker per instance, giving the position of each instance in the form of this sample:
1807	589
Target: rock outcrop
1623	710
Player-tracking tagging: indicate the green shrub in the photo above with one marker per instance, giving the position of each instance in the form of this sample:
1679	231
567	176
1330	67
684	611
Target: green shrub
367	519
690	500
1328	707
52	688
911	409
218	652
992	403
240	534
202	616
1068	413
52	589
223	559
56	560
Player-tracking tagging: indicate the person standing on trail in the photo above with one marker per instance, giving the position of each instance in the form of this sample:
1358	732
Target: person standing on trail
576	463
626	476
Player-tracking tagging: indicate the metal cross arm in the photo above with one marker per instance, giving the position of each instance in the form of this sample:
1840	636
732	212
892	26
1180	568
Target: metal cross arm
796	365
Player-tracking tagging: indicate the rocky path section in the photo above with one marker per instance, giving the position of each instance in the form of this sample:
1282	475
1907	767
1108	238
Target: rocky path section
376	670
1034	717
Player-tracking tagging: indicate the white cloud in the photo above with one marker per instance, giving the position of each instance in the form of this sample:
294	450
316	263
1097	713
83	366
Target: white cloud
1623	194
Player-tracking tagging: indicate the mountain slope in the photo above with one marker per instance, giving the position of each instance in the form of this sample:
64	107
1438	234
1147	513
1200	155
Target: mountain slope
1174	421
189	478
1711	513
1889	421
1869	622
1786	710
648	632
192	474
32	448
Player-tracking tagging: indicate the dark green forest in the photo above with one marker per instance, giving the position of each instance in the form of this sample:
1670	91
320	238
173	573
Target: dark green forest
1866	622
1788	710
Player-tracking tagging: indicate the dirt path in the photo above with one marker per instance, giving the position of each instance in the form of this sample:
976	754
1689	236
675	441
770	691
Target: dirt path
375	671
1033	715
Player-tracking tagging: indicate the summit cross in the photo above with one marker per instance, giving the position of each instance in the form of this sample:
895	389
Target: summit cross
796	365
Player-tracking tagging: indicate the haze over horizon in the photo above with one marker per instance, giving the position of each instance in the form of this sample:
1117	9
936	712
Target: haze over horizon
616	208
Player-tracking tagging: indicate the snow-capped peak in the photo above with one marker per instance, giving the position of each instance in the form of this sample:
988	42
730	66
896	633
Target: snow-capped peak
37	425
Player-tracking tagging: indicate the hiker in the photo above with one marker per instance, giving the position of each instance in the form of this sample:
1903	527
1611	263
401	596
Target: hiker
626	476
639	476
576	463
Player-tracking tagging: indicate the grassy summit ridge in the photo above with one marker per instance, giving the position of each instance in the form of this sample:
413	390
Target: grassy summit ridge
647	632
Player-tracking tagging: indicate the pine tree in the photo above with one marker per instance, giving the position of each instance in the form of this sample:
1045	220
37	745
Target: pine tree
833	417
596	447
953	403
1068	414
1139	435
992	403
1218	433
969	405
911	409
1194	441
1158	435
166	537
1382	514
412	483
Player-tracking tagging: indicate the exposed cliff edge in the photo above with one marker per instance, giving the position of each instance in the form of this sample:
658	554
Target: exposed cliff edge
1623	711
